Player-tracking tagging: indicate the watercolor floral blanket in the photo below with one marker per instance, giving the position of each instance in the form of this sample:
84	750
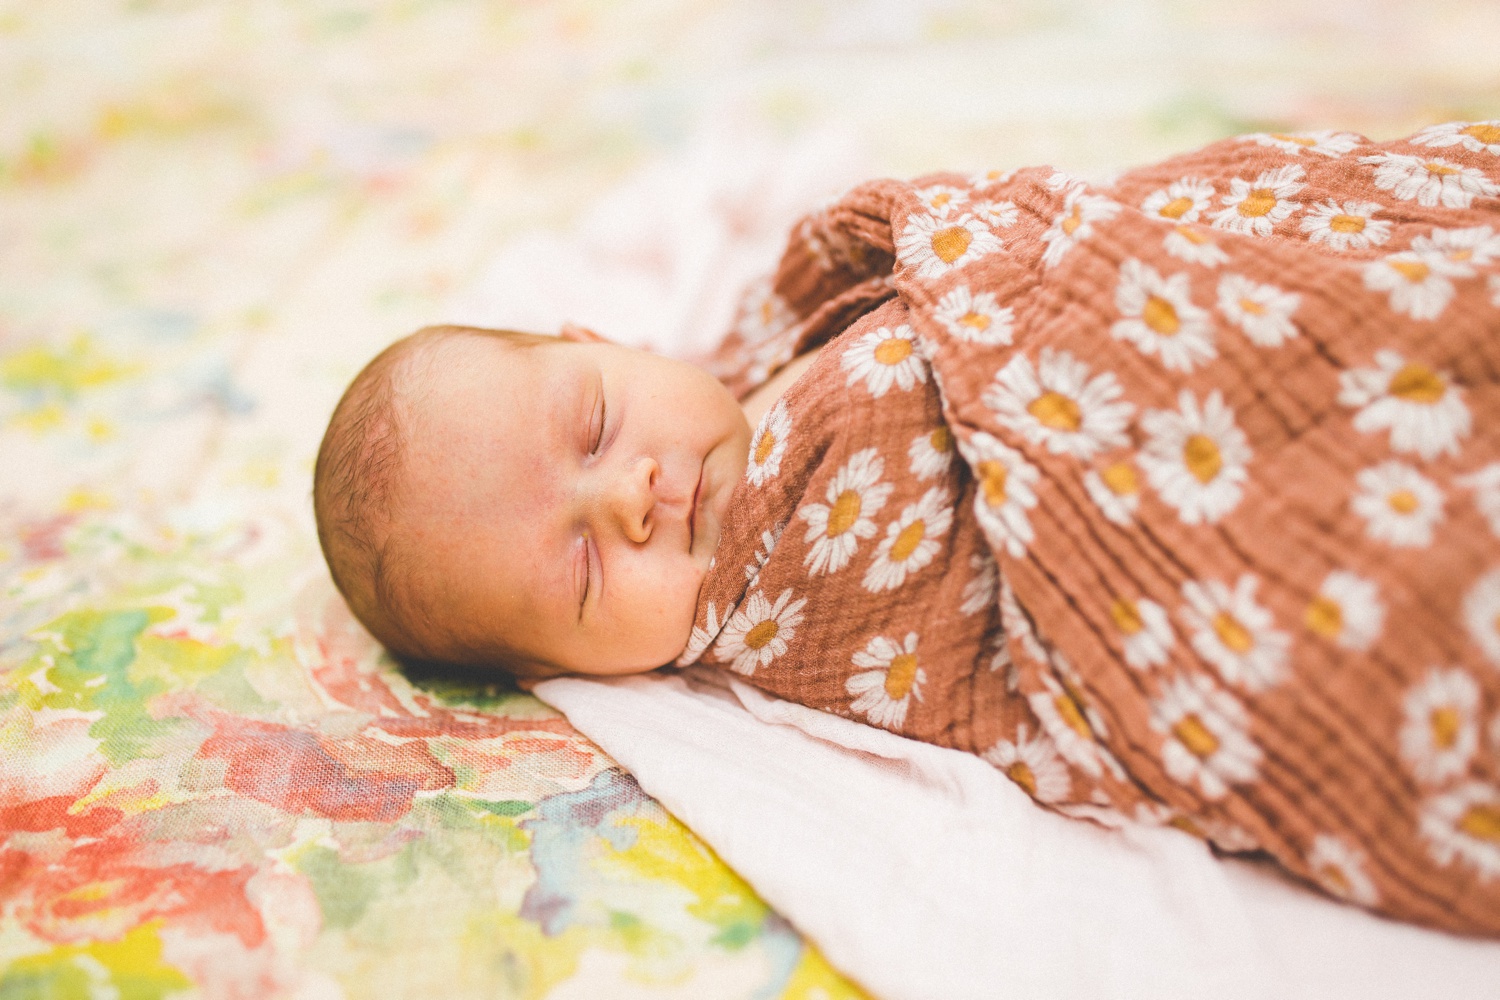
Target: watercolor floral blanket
1175	498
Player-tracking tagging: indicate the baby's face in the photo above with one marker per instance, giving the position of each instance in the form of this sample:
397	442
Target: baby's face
566	499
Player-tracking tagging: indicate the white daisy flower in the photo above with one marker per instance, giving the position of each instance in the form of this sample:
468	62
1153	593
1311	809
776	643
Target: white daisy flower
1234	633
1331	144
768	445
1347	610
1424	412
1474	136
1034	764
931	453
1159	317
1258	208
942	200
1146	630
1349	225
854	495
1416	282
768	540
1482	614
1440	732
1196	458
1116	490
1001	660
759	631
1430	181
977	319
1180	201
1340	869
701	636
762	314
1205	735
1075	223
1065	720
1464	824
1191	244
911	541
1264	312
1462	249
884	357
979	592
1399	504
990	178
1486	486
1006	490
934	246
890	678
1059	406
764	358
1018	625
996	214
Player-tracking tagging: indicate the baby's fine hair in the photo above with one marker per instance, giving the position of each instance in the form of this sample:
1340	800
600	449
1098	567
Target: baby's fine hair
359	484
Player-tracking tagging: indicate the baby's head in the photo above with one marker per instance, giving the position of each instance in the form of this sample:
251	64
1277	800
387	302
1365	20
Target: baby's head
541	504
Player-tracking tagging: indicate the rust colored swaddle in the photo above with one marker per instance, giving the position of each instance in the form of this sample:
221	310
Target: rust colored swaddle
1176	499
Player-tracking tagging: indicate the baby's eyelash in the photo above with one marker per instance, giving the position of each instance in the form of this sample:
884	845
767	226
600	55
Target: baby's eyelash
598	437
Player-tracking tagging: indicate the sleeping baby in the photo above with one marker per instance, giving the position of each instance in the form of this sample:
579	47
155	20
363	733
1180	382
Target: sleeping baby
1176	500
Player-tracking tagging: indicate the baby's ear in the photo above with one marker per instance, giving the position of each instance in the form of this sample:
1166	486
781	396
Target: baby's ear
580	334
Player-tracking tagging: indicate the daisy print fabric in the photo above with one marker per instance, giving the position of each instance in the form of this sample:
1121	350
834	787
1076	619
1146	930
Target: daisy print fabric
1174	498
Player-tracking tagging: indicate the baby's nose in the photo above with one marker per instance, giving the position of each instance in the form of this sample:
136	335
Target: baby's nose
633	498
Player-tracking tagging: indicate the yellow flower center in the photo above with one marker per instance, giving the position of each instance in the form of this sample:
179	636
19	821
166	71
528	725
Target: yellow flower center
1054	410
941	440
1487	134
901	676
762	633
1193	734
1439	169
766	312
1482	823
1126	616
764	447
1402	501
1258	203
1176	208
951	243
1347	223
1335	879
1161	316
1073	221
940	200
992	477
1412	270
1252	307
844	513
1324	617
906	543
1417	384
976	321
1191	235
893	350
1201	455
1235	637
1022	775
1300	140
1445	722
1071	714
1121	479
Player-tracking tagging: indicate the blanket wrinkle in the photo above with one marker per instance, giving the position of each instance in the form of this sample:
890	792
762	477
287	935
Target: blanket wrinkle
1176	500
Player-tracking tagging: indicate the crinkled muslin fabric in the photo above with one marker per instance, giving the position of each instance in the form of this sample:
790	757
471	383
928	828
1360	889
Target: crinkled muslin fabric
1175	498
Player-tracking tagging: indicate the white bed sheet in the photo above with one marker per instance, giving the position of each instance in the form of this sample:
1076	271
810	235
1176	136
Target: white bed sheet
923	872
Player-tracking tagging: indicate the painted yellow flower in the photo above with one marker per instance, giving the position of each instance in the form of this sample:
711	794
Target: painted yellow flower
1034	764
701	637
1330	144
1440	730
1263	312
1474	136
942	200
979	592
1191	244
1422	409
1059	406
890	678
1399	504
1071	726
759	631
1235	633
1257	207
1349	225
1340	869
855	495
1205	735
1417	282
1181	201
931	452
1463	250
1158	316
1075	223
977	319
768	445
885	357
1006	491
1430	181
911	541
1145	632
1463	824
1346	610
1196	457
762	314
934	245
